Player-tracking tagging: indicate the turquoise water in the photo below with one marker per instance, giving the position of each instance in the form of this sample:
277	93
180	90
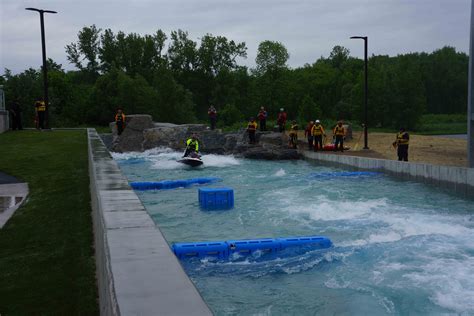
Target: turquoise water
399	247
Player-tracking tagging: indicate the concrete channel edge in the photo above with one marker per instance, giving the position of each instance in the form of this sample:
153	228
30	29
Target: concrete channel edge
459	179
137	274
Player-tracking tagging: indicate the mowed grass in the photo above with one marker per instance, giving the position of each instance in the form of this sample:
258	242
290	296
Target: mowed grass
46	249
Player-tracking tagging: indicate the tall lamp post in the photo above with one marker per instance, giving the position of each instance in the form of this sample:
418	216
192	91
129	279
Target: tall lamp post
45	68
470	101
366	39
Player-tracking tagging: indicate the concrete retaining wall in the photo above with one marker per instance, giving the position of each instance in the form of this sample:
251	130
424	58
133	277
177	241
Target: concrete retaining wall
137	273
456	178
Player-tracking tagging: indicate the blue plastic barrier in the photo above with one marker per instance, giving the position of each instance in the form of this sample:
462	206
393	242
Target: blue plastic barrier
224	249
344	174
171	184
244	247
218	249
216	198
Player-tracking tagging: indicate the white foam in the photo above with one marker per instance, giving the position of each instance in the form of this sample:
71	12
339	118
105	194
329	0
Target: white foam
280	173
219	160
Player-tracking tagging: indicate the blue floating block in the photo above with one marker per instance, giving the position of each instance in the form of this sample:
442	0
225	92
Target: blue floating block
217	249
249	246
319	242
171	184
216	198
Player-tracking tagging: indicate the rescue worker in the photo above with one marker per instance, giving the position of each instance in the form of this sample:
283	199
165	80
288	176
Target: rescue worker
120	121
281	120
251	129
308	133
212	113
339	133
262	118
293	140
401	143
318	133
40	111
192	146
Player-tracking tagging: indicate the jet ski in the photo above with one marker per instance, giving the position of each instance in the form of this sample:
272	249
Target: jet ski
193	160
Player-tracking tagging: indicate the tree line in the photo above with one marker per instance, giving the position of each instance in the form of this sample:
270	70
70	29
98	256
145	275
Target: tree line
175	79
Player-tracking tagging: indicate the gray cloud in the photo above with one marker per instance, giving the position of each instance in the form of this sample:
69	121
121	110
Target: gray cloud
309	29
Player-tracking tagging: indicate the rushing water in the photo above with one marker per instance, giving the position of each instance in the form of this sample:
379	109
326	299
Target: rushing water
399	247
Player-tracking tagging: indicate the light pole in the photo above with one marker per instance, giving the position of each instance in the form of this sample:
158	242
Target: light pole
45	68
366	39
470	101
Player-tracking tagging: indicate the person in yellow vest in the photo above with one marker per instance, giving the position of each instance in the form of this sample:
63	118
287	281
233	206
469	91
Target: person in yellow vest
192	146
40	113
251	129
339	133
120	121
293	140
401	143
318	133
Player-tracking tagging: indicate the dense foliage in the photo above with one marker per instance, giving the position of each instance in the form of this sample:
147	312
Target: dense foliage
175	79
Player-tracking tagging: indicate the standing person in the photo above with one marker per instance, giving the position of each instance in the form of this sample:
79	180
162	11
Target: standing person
120	121
318	133
40	111
339	133
308	133
192	146
212	113
251	129
15	113
281	120
401	142
293	140
262	118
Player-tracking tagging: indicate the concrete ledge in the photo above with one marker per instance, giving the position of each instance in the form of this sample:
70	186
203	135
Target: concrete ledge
137	273
458	179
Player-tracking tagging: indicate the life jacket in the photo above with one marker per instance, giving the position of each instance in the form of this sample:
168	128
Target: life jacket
252	126
40	106
193	143
212	113
403	138
339	130
294	129
281	117
308	131
262	115
318	130
119	117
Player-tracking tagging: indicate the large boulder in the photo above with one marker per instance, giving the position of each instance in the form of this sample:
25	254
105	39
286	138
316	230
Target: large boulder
131	138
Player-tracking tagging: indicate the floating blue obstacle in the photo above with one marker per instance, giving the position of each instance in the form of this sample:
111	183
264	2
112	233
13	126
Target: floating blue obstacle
344	174
216	198
224	249
171	184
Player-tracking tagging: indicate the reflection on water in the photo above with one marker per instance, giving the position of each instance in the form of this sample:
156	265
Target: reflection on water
9	201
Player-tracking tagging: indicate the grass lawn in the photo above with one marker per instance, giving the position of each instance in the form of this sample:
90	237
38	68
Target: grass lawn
47	261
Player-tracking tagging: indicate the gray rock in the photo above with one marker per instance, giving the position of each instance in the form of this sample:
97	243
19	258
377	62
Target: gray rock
132	135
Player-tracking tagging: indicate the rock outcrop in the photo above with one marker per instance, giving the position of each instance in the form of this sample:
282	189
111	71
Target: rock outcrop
141	134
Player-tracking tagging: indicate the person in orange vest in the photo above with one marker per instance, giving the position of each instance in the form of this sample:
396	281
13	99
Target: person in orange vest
318	133
293	135
281	120
339	133
251	129
309	135
40	113
401	143
120	121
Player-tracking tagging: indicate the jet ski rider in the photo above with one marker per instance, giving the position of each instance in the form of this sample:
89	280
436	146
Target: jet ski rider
192	146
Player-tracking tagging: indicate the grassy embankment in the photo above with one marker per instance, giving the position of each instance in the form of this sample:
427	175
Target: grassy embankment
46	249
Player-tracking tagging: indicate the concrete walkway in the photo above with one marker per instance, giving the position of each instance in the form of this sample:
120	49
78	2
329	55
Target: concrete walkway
12	195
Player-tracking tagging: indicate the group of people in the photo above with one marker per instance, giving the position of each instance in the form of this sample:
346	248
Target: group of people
316	135
15	111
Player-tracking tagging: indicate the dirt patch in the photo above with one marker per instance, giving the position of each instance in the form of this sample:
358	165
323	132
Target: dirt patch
427	149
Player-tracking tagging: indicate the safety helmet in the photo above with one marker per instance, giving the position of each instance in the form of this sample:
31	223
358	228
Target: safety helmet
282	109
317	121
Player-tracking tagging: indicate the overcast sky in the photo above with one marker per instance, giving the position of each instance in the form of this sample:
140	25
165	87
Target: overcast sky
308	29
